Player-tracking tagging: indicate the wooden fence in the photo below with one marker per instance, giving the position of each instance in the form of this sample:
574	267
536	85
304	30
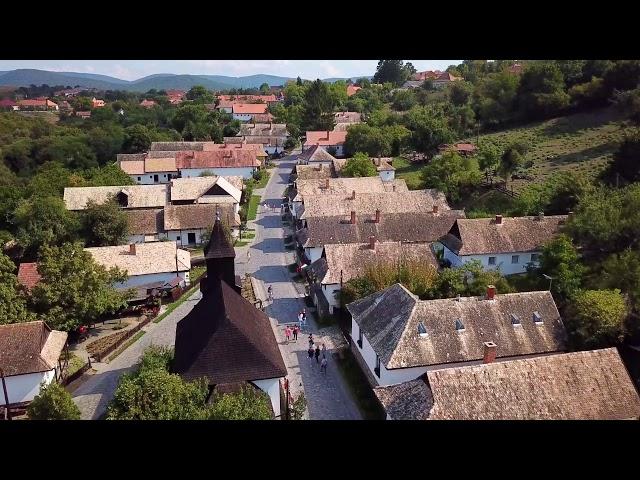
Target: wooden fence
127	335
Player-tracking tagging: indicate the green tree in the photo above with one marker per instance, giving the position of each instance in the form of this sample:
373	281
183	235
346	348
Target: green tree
72	151
429	128
488	156
50	180
459	93
231	129
360	165
13	303
452	174
392	71
43	221
53	403
137	139
247	404
298	407
511	159
622	271
106	141
469	279
494	98
109	175
626	161
318	108
104	224
403	100
264	89
200	94
541	91
597	317
560	261
74	289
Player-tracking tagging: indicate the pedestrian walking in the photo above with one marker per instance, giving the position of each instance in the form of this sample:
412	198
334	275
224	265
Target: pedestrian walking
248	255
310	352
296	329
311	342
270	292
287	333
324	351
323	365
317	353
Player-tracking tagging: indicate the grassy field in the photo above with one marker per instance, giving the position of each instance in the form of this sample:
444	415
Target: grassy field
583	142
264	180
253	207
410	172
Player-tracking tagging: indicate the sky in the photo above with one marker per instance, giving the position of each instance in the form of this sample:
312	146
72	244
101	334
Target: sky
134	69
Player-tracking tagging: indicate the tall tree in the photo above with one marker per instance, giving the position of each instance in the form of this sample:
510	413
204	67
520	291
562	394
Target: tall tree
247	404
452	174
104	224
512	158
200	94
264	88
360	165
560	261
596	318
392	71
541	91
13	303
74	289
53	403
318	108
137	139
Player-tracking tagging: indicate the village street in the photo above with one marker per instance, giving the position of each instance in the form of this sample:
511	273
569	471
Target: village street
327	395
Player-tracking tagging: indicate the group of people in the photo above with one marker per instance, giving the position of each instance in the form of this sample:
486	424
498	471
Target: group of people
291	332
302	319
316	352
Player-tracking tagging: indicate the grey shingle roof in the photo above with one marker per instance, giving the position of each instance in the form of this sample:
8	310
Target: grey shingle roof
406	401
389	319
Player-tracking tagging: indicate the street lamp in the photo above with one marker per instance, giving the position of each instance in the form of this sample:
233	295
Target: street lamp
548	278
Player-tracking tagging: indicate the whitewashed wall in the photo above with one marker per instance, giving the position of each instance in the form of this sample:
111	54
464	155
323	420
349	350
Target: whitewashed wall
271	387
244	172
22	388
387	175
243	117
154	277
313	253
503	261
330	291
148	178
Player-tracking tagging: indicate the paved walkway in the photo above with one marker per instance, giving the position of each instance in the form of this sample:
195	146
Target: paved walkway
327	395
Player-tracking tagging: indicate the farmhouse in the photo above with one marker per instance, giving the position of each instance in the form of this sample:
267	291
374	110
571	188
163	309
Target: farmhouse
241	162
414	227
185	224
244	112
29	358
330	141
340	263
400	337
590	385
145	263
509	243
224	338
148	171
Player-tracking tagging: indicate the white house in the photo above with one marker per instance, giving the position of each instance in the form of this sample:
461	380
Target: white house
185	224
148	171
145	263
340	263
317	156
208	189
244	112
29	358
397	337
145	225
272	136
332	141
591	385
230	162
507	243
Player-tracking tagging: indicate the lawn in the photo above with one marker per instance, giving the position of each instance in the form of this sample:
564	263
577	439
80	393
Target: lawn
253	207
359	386
408	171
263	180
584	142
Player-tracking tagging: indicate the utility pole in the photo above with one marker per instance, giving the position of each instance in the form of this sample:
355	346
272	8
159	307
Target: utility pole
6	395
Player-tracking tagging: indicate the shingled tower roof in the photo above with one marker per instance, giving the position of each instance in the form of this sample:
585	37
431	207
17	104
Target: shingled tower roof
219	245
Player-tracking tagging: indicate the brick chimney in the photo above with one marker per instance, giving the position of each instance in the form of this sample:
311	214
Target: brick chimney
353	195
489	352
491	292
353	217
377	216
132	249
372	242
498	219
393	187
435	209
327	134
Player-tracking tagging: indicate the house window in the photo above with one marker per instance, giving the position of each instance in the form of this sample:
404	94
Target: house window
138	178
360	337
534	257
492	260
515	258
155	178
178	238
377	369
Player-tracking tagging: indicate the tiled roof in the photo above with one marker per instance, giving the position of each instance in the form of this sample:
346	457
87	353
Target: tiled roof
153	257
590	385
146	221
352	259
225	339
28	274
389	319
262	118
177	146
153	165
348	117
347	185
352	90
313	172
515	234
29	347
325	138
367	203
139	196
192	188
315	153
393	227
250	98
410	400
429	74
185	217
132	167
271	129
231	158
250	108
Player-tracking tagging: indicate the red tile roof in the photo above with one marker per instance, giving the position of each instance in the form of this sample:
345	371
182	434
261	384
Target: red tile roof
352	90
28	275
250	98
325	138
223	158
6	102
429	74
147	103
251	108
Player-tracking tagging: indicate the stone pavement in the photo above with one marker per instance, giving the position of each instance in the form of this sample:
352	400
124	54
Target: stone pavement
327	395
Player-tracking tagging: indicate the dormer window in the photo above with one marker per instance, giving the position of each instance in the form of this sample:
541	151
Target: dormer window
537	318
515	320
123	199
422	330
459	325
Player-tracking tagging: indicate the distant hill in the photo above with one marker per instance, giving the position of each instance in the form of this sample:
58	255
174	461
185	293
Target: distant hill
159	81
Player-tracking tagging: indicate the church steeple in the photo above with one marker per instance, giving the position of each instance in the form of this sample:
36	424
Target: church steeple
220	256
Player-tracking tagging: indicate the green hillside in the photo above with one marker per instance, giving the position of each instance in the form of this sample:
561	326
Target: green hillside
583	142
